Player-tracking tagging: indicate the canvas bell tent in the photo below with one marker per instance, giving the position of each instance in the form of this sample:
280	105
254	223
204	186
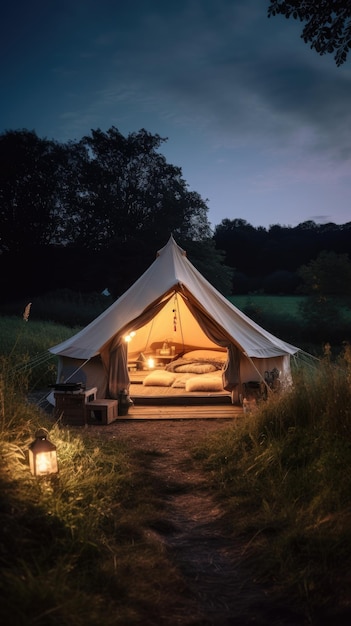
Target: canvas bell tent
171	305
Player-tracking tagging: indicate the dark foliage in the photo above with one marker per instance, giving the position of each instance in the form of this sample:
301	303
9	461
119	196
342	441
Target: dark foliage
92	214
327	24
103	190
269	259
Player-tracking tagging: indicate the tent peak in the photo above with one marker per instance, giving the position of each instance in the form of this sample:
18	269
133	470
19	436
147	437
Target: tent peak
171	243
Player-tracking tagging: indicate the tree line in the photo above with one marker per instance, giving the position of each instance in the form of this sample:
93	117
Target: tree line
90	214
270	260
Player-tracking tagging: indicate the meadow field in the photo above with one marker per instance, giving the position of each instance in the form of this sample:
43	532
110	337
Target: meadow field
73	551
278	305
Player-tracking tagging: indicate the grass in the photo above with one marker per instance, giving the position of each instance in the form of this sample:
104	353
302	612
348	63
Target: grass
277	305
299	321
61	306
33	337
74	549
282	477
25	345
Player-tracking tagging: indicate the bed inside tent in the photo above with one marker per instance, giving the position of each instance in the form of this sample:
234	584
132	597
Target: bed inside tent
171	357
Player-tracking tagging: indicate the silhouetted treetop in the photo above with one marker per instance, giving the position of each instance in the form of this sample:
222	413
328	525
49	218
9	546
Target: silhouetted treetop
327	23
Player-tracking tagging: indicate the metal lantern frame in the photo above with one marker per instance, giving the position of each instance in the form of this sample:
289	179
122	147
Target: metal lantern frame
42	455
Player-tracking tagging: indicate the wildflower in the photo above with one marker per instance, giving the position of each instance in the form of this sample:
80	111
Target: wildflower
27	312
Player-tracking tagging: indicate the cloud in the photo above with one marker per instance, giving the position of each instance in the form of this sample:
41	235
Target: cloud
228	69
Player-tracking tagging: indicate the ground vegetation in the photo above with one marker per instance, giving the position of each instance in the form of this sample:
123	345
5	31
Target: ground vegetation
180	522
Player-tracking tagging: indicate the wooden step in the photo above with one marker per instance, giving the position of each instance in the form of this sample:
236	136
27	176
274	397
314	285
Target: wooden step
170	412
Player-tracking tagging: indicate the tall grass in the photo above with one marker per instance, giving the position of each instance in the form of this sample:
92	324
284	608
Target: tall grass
61	306
74	549
283	477
25	344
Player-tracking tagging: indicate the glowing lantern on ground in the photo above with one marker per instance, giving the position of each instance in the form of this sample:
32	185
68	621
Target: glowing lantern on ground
42	455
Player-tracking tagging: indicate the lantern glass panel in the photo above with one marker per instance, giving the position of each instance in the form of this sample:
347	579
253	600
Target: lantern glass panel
46	463
42	457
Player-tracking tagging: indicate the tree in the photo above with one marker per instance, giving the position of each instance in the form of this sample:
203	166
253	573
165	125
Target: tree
327	23
28	190
327	275
109	199
132	191
327	283
210	262
280	282
40	189
237	238
103	189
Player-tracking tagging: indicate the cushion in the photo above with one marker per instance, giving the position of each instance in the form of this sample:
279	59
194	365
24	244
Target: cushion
196	368
180	381
203	355
204	383
159	378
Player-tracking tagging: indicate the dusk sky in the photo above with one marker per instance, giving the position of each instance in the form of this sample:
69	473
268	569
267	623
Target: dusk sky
258	122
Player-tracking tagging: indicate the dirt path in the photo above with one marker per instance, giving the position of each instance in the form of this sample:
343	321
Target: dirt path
221	591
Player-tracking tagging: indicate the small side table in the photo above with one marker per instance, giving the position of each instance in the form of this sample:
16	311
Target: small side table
70	405
102	411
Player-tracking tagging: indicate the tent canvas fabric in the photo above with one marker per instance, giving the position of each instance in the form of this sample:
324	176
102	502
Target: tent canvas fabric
171	302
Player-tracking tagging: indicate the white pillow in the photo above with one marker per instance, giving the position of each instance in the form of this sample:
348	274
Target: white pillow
204	383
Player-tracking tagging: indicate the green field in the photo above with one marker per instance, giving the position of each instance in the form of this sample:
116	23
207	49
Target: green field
278	305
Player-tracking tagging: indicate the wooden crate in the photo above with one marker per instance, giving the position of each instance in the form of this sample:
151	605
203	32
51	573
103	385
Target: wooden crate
70	407
101	411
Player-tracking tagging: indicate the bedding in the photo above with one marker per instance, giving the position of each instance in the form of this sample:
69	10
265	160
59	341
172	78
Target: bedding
180	381
204	383
206	355
198	362
197	370
159	378
188	382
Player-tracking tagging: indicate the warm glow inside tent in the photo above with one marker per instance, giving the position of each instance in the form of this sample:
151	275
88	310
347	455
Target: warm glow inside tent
170	304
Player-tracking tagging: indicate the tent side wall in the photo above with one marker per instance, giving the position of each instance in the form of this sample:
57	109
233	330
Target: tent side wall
254	370
90	373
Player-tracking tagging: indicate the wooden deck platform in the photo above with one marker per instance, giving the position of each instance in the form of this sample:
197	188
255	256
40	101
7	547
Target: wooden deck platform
164	403
183	412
